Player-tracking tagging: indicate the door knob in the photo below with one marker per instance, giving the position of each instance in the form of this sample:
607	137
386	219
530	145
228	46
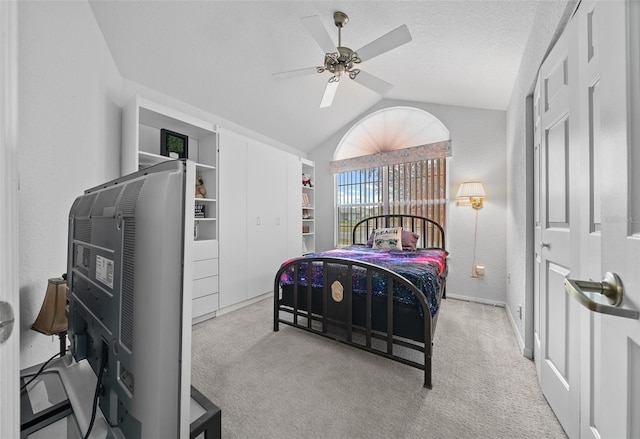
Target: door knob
611	287
544	244
6	321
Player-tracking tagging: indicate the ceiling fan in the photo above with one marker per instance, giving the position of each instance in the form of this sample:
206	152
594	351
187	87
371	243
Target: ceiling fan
341	60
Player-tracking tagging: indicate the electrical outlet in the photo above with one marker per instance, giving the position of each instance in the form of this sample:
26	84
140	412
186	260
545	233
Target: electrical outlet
479	269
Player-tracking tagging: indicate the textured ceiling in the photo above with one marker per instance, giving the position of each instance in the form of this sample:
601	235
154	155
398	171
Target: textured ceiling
220	56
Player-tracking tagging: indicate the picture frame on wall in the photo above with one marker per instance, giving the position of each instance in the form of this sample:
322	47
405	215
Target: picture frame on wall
174	145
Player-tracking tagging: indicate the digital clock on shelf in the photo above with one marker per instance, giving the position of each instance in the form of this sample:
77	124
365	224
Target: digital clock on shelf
174	145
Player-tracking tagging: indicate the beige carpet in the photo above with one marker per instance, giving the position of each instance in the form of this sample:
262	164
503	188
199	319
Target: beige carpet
291	384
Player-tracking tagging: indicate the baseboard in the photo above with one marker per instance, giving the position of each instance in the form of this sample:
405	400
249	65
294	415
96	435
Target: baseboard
202	318
242	304
476	300
527	353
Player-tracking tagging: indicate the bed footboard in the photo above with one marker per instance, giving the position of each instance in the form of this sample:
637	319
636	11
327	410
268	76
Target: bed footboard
360	319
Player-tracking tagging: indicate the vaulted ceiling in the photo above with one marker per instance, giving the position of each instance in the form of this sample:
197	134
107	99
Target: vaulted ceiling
220	56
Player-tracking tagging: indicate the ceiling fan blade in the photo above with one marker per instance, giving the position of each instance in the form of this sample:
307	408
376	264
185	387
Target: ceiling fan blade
295	73
385	43
319	33
329	93
373	82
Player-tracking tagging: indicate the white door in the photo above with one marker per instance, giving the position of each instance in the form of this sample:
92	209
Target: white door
232	218
267	215
597	62
610	102
588	28
9	331
557	338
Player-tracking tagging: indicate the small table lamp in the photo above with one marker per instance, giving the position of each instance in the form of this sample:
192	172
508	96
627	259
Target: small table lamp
52	319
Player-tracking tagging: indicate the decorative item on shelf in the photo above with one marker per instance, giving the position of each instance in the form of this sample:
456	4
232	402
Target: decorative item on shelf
306	180
200	211
306	214
52	319
201	191
305	200
174	145
195	231
305	229
304	246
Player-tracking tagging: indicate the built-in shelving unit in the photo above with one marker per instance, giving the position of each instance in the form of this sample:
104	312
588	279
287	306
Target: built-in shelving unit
142	122
308	208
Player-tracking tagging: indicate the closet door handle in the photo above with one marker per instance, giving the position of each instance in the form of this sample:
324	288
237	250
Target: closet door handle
257	220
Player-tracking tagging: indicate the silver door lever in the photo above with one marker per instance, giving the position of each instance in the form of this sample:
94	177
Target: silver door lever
611	287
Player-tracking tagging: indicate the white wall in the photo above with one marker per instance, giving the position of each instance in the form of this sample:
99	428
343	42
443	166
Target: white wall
478	142
68	141
548	23
69	124
131	88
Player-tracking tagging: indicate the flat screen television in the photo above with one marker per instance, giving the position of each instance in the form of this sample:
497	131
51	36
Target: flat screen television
129	298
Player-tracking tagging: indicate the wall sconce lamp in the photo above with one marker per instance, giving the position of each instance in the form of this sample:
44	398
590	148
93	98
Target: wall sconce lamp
471	193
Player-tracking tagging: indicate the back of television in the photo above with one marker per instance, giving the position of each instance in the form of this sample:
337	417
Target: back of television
129	300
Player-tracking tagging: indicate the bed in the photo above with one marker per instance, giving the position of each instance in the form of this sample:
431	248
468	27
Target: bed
377	294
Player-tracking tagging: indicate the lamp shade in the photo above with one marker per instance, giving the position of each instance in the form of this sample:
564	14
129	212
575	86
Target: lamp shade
52	319
471	189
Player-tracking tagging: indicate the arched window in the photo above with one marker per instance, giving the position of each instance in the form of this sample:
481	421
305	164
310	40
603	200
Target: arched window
391	161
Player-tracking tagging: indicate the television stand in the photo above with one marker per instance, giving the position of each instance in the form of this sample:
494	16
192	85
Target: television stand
57	404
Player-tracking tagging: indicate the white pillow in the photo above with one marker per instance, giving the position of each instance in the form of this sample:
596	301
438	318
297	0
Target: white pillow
390	238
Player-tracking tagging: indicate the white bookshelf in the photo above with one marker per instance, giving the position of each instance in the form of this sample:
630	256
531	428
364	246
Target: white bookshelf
308	209
142	122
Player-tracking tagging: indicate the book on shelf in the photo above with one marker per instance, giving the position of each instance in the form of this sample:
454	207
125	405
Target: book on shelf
305	200
199	211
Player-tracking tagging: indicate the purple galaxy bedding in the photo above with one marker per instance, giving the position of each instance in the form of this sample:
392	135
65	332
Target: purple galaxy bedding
425	268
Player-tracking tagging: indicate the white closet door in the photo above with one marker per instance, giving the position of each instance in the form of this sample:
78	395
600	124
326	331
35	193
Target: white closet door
232	175
266	216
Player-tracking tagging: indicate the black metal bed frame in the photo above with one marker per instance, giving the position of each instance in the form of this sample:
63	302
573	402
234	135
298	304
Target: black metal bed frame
338	311
431	233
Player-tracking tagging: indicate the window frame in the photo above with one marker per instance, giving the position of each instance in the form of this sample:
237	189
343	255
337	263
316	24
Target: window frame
385	206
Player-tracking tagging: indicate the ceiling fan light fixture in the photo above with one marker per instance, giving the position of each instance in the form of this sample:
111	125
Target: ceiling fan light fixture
340	60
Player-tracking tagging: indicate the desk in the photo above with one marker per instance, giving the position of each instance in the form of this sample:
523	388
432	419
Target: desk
58	405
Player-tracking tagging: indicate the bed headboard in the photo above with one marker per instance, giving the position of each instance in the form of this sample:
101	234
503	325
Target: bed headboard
431	233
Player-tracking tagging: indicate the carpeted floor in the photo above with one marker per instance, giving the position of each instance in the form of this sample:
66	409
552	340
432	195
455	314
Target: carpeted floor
292	384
